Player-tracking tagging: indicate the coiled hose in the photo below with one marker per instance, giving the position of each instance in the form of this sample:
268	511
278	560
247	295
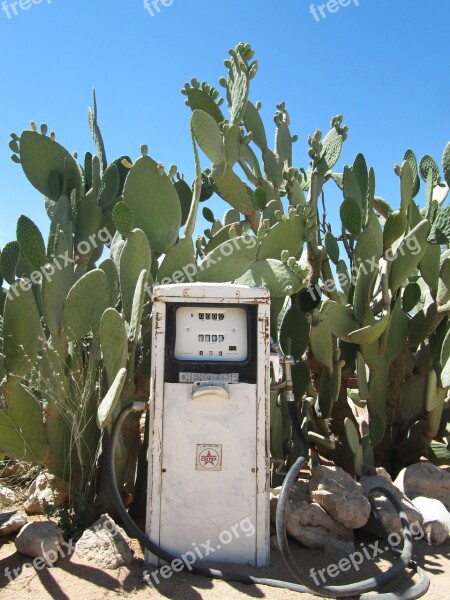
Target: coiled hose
403	561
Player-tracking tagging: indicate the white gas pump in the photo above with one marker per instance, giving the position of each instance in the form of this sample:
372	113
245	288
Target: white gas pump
208	458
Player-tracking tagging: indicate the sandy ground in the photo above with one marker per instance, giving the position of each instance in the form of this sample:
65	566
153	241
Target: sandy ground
71	578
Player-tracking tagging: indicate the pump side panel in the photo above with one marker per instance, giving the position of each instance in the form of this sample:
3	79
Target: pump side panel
208	496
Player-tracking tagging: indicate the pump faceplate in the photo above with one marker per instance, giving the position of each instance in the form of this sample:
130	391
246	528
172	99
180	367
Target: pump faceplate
211	334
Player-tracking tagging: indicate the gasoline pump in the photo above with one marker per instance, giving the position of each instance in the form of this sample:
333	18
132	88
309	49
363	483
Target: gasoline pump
208	454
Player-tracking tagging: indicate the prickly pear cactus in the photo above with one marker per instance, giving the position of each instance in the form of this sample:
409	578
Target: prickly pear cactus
75	336
385	309
391	295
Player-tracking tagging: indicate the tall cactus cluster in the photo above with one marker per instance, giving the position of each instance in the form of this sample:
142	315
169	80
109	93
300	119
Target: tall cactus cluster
371	374
372	368
385	327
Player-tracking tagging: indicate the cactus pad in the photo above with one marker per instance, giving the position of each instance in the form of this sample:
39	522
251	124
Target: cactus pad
154	202
85	304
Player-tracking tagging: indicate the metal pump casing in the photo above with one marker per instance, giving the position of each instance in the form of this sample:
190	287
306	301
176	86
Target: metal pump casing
208	457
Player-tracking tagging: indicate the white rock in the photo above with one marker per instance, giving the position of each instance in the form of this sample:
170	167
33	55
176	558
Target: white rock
425	479
43	539
436	519
46	489
105	544
7	496
308	522
340	495
14	524
386	511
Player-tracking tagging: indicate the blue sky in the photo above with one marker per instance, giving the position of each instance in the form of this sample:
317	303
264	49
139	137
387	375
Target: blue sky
383	64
